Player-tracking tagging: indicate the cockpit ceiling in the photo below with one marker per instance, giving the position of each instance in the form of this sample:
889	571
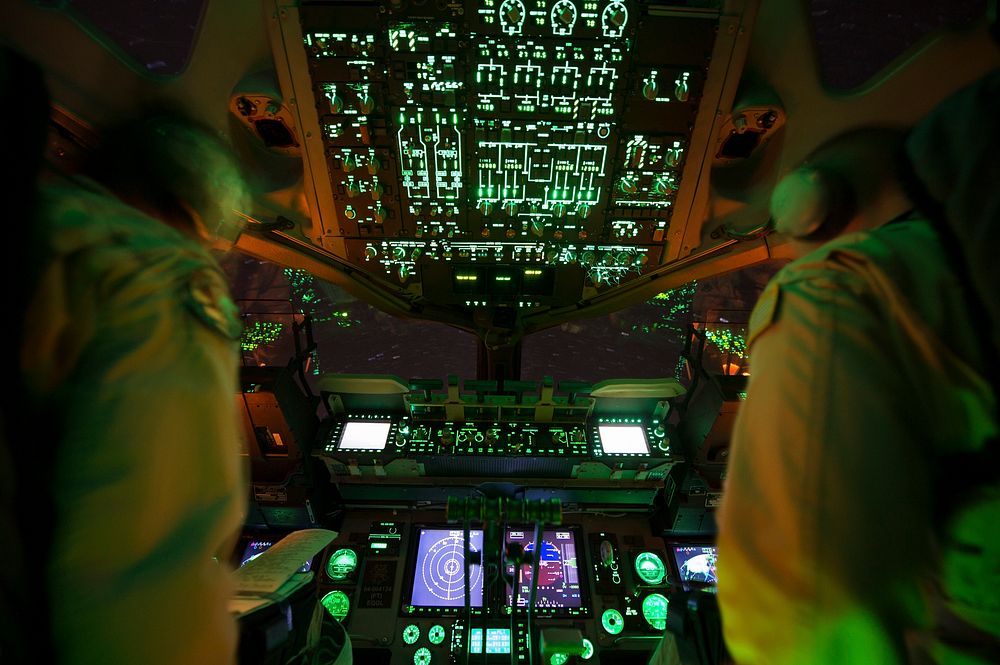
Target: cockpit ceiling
551	159
492	154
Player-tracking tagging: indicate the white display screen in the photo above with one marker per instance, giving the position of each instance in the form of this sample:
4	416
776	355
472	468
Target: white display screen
364	436
623	439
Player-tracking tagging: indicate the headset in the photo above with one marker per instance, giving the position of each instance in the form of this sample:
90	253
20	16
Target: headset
813	203
853	176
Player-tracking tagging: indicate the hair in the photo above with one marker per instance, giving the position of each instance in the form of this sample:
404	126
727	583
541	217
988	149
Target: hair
171	164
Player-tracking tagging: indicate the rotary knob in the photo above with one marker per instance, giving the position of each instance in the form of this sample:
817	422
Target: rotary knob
664	186
681	92
559	210
649	90
370	252
628	185
366	104
583	210
510	208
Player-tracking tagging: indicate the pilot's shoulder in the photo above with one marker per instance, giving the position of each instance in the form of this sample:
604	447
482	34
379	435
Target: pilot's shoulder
208	299
849	269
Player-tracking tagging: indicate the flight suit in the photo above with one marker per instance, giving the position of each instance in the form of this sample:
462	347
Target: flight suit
132	349
862	383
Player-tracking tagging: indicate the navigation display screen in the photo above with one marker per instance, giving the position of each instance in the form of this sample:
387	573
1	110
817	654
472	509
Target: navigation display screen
623	439
558	569
364	435
439	576
696	564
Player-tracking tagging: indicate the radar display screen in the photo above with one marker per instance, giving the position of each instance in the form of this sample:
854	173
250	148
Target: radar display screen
696	564
439	575
364	435
558	570
623	440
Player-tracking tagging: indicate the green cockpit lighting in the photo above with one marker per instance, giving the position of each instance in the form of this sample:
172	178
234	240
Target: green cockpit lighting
436	634
654	609
337	604
650	569
341	564
613	621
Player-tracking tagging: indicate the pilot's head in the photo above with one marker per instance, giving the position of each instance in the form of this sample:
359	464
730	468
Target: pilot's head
849	183
177	170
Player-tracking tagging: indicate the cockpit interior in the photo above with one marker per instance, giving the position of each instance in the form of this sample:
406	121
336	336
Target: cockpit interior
495	281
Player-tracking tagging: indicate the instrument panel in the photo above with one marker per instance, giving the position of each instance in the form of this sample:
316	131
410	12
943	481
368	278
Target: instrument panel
398	585
623	460
500	151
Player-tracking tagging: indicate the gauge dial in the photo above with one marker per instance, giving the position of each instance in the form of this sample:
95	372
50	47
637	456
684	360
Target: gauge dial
613	621
654	610
411	633
650	569
337	604
344	561
436	634
563	17
614	18
512	15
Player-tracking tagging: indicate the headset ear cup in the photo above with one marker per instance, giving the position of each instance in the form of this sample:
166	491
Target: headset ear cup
812	204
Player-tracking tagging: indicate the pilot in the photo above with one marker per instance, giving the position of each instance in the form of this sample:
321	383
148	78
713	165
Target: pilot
863	376
131	356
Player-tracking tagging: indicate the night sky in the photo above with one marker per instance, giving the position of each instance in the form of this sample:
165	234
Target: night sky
642	341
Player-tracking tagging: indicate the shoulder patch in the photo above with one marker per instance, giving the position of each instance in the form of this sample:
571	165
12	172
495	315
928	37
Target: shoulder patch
208	299
764	312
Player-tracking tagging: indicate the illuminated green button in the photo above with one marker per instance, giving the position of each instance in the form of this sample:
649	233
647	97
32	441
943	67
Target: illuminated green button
411	633
436	634
588	649
341	564
654	609
337	604
558	659
422	656
650	568
613	621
